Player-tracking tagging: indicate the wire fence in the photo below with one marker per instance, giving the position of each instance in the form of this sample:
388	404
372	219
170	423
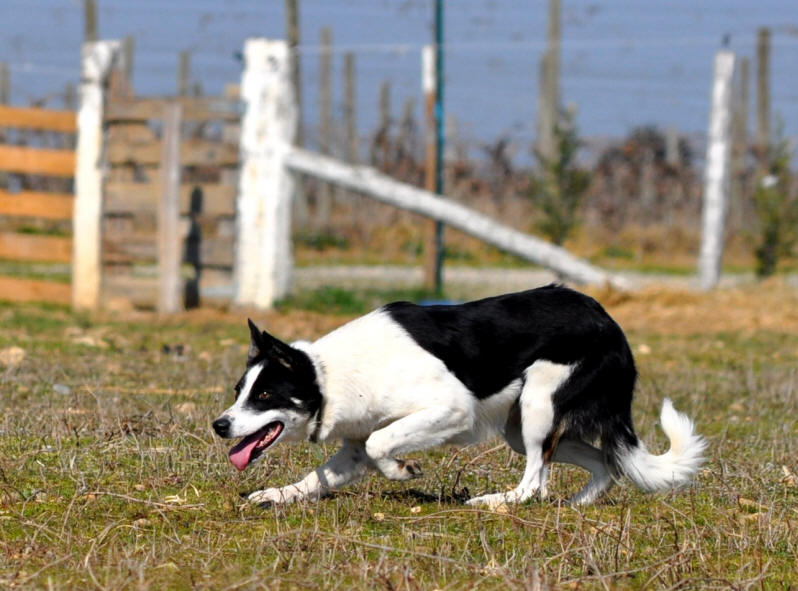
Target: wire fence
630	71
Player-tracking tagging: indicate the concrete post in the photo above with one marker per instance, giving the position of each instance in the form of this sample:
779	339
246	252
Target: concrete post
97	59
263	258
717	173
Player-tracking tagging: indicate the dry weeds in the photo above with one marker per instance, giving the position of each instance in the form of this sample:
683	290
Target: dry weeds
110	477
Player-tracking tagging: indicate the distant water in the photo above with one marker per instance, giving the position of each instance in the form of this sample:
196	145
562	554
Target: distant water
625	62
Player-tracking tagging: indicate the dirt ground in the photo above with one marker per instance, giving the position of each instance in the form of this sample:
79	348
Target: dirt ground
770	306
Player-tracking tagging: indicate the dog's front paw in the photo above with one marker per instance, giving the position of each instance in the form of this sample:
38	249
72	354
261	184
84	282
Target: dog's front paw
270	496
493	501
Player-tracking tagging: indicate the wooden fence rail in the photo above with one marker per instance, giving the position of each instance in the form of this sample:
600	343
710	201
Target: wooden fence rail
36	222
35	204
38	119
22	160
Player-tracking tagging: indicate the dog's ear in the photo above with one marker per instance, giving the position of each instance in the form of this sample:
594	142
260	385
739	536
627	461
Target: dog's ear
262	343
255	341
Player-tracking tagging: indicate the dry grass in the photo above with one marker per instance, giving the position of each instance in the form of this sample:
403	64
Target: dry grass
110	477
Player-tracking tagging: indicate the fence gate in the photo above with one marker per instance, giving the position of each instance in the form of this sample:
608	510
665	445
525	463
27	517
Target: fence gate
37	164
169	200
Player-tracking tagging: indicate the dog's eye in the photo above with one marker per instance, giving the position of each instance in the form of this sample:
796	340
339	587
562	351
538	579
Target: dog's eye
264	396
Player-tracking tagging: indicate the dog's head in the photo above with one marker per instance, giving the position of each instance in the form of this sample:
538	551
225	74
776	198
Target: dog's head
277	399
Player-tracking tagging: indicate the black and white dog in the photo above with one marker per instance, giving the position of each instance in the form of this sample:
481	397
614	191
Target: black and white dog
547	369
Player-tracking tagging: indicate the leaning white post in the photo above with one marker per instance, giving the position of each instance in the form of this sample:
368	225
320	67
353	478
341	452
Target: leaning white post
263	258
97	59
716	175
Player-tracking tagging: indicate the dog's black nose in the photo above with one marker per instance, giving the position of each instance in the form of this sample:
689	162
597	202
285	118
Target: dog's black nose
222	426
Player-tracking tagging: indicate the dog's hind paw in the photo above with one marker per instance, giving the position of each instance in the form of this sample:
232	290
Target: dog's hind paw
497	499
395	469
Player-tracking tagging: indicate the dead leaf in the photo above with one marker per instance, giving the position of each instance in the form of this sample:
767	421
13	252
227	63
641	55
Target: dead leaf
751	504
415	510
789	478
90	341
186	408
752	516
12	356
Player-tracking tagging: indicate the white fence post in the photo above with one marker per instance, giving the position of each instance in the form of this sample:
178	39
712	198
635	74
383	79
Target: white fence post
716	175
97	59
263	258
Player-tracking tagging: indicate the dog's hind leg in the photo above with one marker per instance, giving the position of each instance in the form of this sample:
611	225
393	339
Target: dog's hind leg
584	455
423	429
349	463
542	379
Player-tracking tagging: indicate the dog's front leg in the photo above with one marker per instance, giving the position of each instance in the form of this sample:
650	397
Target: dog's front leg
350	463
424	429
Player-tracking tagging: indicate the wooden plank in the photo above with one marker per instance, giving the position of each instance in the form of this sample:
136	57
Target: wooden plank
141	248
38	119
52	206
193	152
128	197
214	286
194	109
763	91
141	292
14	289
37	161
136	132
35	247
169	242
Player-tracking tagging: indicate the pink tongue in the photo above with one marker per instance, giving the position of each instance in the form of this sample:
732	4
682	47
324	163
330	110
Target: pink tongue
242	452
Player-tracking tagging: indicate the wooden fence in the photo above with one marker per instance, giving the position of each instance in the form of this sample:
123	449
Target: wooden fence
169	213
173	200
37	161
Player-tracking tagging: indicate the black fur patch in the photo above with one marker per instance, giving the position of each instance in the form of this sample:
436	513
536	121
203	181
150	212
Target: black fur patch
489	343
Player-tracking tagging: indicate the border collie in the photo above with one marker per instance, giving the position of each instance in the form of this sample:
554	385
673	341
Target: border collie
546	369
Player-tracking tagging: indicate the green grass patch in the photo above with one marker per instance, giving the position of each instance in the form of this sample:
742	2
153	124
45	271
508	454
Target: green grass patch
117	482
59	272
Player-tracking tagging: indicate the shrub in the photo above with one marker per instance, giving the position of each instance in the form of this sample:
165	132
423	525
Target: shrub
776	207
558	189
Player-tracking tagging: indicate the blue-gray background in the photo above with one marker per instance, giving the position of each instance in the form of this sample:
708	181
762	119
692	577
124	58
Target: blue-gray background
625	62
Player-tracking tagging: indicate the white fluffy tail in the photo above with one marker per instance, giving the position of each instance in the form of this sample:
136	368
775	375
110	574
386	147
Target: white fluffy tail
673	468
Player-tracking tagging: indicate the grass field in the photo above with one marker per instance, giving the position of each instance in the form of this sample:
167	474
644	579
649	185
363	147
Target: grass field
110	477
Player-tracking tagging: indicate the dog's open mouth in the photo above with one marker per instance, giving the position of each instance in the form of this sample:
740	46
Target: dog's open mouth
251	446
